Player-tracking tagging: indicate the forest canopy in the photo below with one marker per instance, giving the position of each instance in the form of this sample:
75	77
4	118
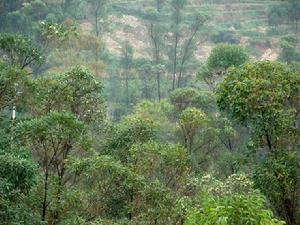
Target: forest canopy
149	112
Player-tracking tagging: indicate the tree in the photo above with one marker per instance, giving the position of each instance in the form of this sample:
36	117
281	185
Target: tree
226	36
99	12
156	33
18	175
160	161
18	50
289	52
177	7
264	96
233	201
237	210
191	119
224	55
6	8
293	8
53	139
54	34
220	59
11	84
115	192
160	113
132	130
126	62
84	94
183	98
282	171
182	49
188	48
287	11
76	91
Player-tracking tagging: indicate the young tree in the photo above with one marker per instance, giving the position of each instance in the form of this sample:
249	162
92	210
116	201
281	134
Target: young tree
183	98
191	120
224	56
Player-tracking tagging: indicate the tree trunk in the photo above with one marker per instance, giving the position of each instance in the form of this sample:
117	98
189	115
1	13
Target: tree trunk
175	61
127	89
45	195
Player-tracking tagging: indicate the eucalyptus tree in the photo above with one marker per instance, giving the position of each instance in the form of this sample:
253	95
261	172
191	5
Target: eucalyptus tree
18	176
188	47
19	51
156	34
99	12
252	95
293	9
65	106
53	139
183	40
127	63
9	77
177	11
264	96
77	91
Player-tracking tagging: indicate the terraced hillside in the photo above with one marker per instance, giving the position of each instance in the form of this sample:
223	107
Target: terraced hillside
247	19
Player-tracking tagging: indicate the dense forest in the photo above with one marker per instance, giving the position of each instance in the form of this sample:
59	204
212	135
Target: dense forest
149	112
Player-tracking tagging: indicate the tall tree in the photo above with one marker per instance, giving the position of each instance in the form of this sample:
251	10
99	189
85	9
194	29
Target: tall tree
188	47
156	33
99	10
126	62
53	139
265	97
183	38
177	11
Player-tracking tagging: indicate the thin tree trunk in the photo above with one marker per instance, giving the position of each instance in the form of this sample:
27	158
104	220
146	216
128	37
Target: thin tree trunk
127	89
158	86
175	61
45	195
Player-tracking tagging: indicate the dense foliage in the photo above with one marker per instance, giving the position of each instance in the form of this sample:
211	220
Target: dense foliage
100	128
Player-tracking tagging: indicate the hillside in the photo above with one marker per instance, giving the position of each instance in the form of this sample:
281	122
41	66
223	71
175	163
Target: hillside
247	19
